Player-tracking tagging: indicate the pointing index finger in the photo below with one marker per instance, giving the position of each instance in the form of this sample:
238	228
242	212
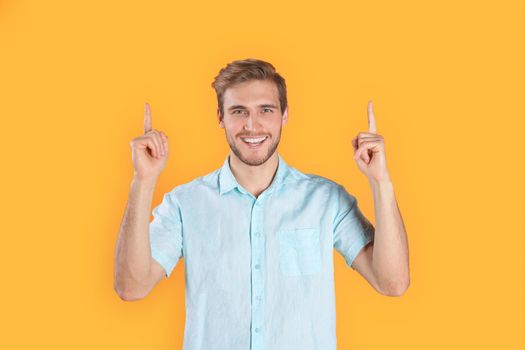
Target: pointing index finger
147	118
371	118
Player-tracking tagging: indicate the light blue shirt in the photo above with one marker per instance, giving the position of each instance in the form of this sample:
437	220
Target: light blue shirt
259	271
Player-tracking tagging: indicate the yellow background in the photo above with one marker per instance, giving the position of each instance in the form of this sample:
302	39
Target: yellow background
448	83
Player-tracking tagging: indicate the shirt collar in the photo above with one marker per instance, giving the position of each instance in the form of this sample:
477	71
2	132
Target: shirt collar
227	180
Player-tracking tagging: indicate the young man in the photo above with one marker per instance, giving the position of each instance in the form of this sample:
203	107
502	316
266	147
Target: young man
257	235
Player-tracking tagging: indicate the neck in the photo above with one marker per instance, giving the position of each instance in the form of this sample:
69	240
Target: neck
254	179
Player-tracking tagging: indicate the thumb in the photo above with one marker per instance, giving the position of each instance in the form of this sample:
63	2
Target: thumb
164	139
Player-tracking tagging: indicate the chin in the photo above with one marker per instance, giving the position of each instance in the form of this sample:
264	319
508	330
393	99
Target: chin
253	160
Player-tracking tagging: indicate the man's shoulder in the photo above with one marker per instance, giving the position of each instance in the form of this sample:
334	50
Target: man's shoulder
312	180
317	186
205	182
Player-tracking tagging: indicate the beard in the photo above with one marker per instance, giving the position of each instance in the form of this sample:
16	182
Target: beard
255	161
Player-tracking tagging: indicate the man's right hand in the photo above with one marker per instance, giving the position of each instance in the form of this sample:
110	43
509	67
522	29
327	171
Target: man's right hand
149	152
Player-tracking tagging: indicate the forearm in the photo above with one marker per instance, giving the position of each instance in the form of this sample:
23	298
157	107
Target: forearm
390	254
132	252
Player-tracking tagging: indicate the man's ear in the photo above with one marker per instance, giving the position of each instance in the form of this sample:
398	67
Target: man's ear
219	117
285	116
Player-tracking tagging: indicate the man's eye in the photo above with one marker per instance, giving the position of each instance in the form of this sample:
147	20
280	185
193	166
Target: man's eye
268	109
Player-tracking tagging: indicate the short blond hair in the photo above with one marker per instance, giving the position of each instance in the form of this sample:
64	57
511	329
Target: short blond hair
245	70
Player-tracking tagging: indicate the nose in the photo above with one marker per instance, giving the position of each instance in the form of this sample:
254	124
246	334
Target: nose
251	122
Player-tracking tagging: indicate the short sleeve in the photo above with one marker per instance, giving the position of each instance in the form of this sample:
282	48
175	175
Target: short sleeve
165	233
352	230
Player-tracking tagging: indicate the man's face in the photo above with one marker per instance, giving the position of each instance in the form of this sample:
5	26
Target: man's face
251	112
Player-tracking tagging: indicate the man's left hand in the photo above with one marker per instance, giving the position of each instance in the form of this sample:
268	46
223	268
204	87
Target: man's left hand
369	151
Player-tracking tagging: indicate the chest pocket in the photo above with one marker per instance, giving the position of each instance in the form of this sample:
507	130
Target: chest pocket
299	251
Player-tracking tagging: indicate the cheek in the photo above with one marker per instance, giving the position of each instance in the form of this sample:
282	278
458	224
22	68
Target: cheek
231	131
234	126
276	127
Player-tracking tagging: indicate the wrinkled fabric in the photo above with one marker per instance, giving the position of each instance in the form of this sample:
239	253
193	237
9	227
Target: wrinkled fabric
259	271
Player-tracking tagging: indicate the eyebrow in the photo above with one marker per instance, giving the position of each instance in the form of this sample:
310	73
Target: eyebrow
266	105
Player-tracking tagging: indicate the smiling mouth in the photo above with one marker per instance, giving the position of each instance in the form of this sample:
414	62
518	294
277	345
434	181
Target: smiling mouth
254	142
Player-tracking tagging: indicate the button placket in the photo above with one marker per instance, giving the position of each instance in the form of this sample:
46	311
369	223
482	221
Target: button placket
257	256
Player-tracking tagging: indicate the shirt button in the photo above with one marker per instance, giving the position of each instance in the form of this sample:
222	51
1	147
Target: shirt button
257	234
257	266
258	297
257	330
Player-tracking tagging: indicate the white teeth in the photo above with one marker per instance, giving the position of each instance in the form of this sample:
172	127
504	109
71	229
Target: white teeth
254	140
